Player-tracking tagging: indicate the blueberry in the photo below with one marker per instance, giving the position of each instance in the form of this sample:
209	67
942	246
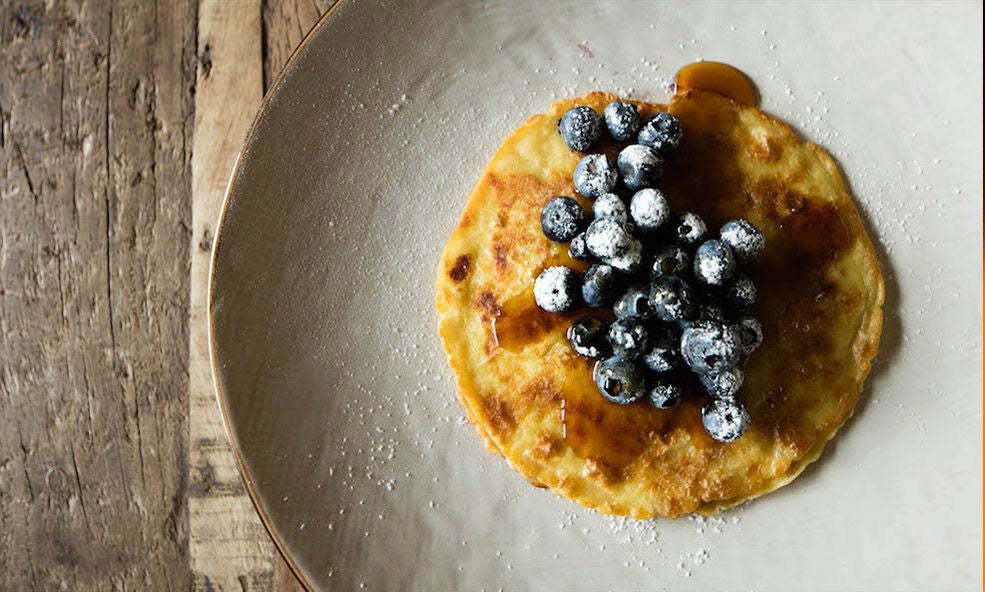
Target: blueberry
588	338
725	419
606	238
629	338
562	219
689	229
630	261
610	206
714	263
578	250
598	286
706	312
750	333
670	260
671	299
664	394
640	166
723	384
649	209
623	121
619	380
595	175
580	128
664	353
662	132
634	304
557	289
711	311
709	347
741	293
744	238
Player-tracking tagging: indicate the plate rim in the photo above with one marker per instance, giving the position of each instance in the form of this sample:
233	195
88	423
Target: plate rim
227	198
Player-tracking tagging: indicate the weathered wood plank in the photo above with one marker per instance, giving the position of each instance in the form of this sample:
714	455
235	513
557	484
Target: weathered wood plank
96	107
230	550
285	23
284	579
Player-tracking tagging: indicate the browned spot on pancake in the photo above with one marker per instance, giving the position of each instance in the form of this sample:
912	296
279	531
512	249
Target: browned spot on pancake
489	311
765	149
547	446
466	221
460	269
521	197
500	415
601	472
567	485
544	390
489	343
485	302
501	253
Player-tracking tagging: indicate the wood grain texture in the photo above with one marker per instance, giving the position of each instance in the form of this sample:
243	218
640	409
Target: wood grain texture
103	280
239	43
96	104
228	546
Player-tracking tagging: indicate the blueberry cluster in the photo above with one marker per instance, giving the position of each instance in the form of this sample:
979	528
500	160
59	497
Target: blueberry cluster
679	300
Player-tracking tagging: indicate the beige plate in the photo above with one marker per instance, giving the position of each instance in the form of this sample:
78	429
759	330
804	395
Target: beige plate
339	400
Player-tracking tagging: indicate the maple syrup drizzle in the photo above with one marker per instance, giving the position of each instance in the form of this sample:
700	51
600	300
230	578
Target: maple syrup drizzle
613	435
718	78
521	322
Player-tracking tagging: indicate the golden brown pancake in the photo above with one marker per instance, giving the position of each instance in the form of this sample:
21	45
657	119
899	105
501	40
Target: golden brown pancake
533	399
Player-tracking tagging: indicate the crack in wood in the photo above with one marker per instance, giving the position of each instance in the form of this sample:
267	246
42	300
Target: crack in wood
109	183
3	127
78	485
25	456
26	171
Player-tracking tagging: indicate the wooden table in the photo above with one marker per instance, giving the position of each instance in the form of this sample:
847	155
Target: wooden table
120	123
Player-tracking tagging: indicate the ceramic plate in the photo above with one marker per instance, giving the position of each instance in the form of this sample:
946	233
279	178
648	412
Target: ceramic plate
331	377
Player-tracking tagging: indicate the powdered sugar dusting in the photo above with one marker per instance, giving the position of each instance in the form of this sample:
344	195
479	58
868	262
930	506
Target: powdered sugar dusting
606	238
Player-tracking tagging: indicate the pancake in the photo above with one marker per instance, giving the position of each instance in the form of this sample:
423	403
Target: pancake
533	399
